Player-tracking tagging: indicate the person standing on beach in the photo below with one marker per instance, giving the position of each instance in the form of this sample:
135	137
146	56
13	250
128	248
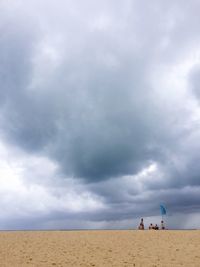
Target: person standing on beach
162	225
141	226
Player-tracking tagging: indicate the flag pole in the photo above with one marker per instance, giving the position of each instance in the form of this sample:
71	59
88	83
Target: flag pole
162	211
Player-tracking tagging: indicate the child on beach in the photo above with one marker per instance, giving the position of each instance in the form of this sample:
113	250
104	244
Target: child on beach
151	227
156	227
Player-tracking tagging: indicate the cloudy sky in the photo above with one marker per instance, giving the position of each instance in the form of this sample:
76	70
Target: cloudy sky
99	113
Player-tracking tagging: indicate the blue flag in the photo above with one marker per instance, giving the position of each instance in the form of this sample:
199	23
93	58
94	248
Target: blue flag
162	210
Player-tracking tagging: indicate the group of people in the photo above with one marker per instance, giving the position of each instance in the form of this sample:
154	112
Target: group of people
151	226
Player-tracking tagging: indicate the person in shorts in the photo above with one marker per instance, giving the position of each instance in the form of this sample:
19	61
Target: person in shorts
162	225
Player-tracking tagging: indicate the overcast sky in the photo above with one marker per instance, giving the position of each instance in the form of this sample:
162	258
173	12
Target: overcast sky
99	113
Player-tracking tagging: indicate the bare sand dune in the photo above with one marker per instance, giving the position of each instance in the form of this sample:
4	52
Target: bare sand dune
100	248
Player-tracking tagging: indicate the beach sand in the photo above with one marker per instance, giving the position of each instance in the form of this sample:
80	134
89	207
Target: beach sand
100	248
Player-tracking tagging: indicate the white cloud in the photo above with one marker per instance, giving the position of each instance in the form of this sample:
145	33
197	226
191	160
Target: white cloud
30	187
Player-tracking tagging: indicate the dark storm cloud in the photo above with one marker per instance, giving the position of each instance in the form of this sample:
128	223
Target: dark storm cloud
96	108
89	87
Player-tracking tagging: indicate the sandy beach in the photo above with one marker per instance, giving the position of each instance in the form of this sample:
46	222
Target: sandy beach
100	248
